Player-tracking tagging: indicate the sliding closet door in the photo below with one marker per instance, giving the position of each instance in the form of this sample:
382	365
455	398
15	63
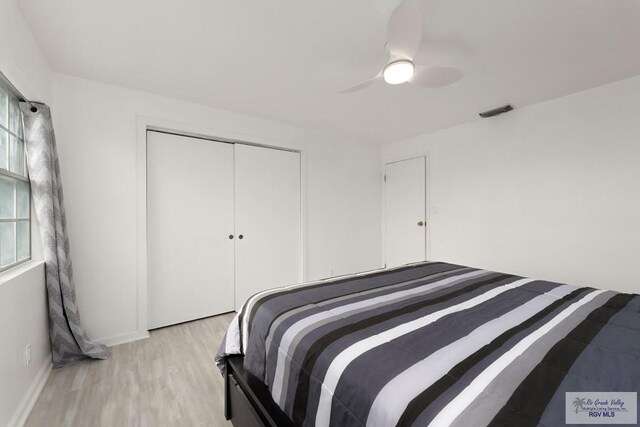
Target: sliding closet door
189	223
267	201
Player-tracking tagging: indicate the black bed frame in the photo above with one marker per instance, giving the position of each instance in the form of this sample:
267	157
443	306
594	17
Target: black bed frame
248	402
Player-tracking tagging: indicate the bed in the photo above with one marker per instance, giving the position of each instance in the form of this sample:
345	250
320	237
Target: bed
427	344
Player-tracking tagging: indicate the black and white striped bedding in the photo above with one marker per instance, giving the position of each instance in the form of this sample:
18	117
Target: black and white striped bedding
436	344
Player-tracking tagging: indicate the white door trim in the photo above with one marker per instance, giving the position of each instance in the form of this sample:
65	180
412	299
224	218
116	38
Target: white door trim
143	124
427	201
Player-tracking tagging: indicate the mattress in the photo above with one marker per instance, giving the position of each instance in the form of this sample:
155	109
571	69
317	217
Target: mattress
436	344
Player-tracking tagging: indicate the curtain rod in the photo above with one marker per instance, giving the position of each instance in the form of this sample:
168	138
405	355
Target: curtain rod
17	93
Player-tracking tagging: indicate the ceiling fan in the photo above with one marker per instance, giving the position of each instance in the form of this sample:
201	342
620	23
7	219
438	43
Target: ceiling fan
404	35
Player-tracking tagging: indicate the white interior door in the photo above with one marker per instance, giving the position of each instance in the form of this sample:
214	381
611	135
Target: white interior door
189	220
405	216
267	200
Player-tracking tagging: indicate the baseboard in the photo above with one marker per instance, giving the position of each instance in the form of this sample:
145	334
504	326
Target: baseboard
30	398
123	339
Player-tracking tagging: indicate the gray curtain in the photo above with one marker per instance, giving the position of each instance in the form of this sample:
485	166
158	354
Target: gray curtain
69	342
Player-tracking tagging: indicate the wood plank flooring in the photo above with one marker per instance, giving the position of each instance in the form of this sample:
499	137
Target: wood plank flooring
169	379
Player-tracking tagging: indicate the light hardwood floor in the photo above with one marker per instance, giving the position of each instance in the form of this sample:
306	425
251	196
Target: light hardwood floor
167	380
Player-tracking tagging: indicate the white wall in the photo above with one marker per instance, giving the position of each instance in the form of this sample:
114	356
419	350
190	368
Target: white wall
21	59
96	131
23	309
550	191
23	321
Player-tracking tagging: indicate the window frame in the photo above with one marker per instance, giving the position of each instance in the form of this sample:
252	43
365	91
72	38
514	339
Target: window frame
13	93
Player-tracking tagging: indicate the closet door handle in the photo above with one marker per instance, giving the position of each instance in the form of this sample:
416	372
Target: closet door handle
241	237
230	236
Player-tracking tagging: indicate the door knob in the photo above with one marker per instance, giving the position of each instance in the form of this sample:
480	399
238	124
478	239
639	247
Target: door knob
420	223
241	237
230	236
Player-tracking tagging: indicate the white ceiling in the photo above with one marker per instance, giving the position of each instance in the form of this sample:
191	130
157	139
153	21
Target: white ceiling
287	59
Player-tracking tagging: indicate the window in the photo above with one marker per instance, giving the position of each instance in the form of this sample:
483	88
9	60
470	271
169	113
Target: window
15	191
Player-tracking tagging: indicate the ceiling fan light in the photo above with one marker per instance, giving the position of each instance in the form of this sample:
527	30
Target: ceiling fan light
398	72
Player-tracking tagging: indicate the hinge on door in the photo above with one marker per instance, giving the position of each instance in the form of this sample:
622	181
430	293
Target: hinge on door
385	178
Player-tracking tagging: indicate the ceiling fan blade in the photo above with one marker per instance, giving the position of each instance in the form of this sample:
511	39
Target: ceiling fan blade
404	30
435	76
362	85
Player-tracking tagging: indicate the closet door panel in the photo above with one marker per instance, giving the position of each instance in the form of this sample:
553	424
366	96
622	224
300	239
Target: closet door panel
267	212
189	220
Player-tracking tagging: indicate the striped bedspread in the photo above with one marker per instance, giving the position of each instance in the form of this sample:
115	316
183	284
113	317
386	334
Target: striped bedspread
436	344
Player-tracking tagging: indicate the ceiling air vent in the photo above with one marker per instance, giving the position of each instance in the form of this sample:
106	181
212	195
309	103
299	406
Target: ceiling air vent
496	111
